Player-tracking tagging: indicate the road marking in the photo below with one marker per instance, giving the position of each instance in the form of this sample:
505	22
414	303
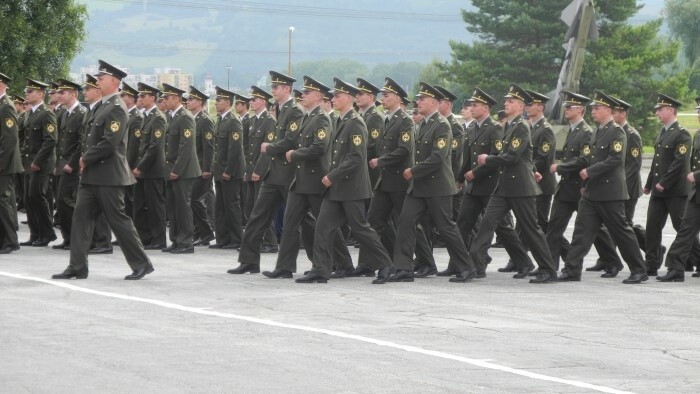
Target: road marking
483	363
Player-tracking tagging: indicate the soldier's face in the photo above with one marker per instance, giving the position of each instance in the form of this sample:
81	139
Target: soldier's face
601	113
257	104
280	92
573	112
91	94
426	105
171	102
222	105
364	99
445	107
534	110
194	104
665	114
513	106
19	107
480	110
33	96
107	83
390	101
139	102
466	112
147	100
65	97
619	116
342	101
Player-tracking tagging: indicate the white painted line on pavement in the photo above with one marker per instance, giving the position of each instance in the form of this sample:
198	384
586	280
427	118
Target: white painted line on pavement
408	348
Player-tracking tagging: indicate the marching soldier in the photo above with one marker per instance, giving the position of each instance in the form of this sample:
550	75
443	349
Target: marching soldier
19	177
604	191
228	168
149	196
10	165
365	99
105	173
262	129
204	144
41	149
666	182
130	96
68	155
181	170
432	185
544	147
347	185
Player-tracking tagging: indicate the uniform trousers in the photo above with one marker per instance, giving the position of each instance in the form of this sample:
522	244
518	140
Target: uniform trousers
178	196
8	212
657	213
91	202
332	216
200	188
65	202
591	216
229	226
149	211
682	246
440	211
525	213
38	213
251	195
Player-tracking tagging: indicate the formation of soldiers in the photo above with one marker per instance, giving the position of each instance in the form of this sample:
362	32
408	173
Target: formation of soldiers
283	170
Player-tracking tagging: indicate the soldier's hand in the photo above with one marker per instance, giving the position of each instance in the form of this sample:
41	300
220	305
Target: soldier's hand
538	177
136	172
460	185
481	160
584	174
288	155
659	187
374	163
206	175
82	165
407	174
469	176
646	191
326	181
35	167
553	168
254	177
691	178
174	176
53	172
226	176
263	147
68	169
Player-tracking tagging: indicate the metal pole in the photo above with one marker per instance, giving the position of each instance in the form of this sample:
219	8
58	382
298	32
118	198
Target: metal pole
289	52
228	77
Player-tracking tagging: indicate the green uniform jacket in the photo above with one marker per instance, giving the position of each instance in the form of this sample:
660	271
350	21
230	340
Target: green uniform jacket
375	128
151	158
348	172
70	132
228	150
694	194
134	127
105	146
246	122
577	143
204	140
485	139
22	135
261	130
280	172
312	156
10	159
458	138
180	149
395	149
606	165
543	150
633	161
516	178
432	173
671	163
42	133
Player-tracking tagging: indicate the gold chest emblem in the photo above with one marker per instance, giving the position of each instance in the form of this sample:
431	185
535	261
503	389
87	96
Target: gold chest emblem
406	136
545	147
294	126
137	133
114	126
158	133
188	133
321	134
617	146
682	149
586	150
499	145
515	143
236	136
375	133
9	122
209	135
50	128
441	143
270	136
357	140
635	152
455	144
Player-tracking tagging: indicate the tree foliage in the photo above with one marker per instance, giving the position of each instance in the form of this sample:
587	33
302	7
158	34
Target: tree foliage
682	17
40	38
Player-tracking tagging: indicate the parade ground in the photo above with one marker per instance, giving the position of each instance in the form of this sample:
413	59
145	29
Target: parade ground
190	327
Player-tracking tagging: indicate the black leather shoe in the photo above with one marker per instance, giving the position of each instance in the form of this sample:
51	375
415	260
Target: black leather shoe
244	268
41	242
696	275
339	274
312	278
70	274
278	274
153	247
115	243
8	249
61	246
510	267
652	272
169	249
216	246
566	277
383	275
447	272
269	249
425	272
536	272
361	271
597	267
612	272
204	241
524	273
101	251
231	246
481	274
544	277
497	245
464	276
636	278
140	273
28	243
401	276
183	250
672	276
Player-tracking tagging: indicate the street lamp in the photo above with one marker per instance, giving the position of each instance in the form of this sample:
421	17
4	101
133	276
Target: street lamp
228	77
289	64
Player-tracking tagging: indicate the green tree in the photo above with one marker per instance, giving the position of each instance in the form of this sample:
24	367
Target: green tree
682	17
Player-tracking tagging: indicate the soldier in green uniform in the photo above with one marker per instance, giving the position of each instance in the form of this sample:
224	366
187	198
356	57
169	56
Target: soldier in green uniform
276	177
130	95
348	185
104	173
242	110
204	144
10	165
365	99
228	169
181	170
517	191
666	182
41	138
18	179
604	192
68	155
149	196
543	149
432	185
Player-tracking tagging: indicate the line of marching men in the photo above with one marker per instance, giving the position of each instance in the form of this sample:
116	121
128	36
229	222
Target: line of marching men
133	157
